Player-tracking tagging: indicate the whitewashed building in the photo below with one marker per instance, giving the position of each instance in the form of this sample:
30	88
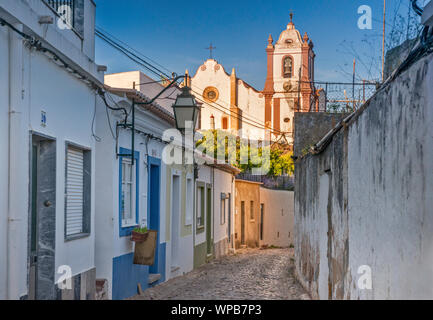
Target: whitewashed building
47	194
214	211
176	183
131	193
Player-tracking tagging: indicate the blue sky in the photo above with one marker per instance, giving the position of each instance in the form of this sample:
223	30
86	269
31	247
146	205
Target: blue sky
176	33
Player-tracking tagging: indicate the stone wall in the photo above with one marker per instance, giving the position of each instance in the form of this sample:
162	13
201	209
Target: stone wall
363	203
310	127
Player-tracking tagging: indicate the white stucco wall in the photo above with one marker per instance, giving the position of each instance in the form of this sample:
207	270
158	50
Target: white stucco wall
145	85
4	158
33	83
252	104
223	184
109	244
250	101
205	176
69	109
77	49
391	199
212	74
183	245
278	217
366	199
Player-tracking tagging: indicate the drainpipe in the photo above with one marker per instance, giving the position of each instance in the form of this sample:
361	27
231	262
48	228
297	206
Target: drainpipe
16	201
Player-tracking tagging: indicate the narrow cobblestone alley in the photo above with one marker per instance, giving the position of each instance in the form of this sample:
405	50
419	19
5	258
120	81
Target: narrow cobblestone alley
247	275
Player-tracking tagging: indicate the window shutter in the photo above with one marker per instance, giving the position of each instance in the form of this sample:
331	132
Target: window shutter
74	191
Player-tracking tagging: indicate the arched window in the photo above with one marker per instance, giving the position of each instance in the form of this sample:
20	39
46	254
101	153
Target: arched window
287	67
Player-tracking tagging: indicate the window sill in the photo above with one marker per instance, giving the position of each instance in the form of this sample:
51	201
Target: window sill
132	225
126	231
76	237
200	229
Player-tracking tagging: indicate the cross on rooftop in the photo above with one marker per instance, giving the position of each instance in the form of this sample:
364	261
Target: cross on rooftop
211	49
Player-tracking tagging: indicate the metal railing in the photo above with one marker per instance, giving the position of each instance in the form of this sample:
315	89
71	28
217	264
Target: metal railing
344	97
333	97
64	8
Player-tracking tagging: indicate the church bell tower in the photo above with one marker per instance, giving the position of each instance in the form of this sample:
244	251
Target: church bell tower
289	86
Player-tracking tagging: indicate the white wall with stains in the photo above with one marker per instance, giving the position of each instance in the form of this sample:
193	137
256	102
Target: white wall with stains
366	199
390	169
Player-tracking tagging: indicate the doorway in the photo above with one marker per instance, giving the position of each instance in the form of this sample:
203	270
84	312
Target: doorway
229	226
154	205
175	222
243	223
262	220
42	219
209	220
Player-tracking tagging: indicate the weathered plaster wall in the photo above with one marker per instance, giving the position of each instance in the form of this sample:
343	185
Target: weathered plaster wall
246	192
319	202
390	157
311	127
365	200
4	159
278	217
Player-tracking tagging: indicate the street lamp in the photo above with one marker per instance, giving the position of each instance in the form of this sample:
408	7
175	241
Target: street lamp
185	110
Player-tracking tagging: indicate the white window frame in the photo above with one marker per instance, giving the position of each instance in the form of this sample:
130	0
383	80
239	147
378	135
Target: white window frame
189	208
132	183
201	207
223	209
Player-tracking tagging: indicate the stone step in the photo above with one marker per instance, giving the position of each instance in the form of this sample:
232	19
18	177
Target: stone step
175	268
154	277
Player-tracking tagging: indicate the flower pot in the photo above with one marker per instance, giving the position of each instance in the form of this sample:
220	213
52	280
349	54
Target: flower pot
138	236
144	252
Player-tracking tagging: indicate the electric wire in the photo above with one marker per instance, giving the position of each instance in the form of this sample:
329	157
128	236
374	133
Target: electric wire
117	46
134	50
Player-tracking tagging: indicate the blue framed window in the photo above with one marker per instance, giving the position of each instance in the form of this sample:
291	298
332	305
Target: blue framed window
129	200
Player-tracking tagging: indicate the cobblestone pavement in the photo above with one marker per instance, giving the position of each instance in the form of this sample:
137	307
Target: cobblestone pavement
250	274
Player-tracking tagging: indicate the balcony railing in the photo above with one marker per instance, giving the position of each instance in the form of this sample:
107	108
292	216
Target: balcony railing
64	8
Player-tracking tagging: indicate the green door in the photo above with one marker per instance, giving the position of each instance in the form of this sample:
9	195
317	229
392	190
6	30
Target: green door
209	221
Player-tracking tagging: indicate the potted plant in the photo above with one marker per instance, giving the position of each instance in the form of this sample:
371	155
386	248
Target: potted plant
139	234
144	251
